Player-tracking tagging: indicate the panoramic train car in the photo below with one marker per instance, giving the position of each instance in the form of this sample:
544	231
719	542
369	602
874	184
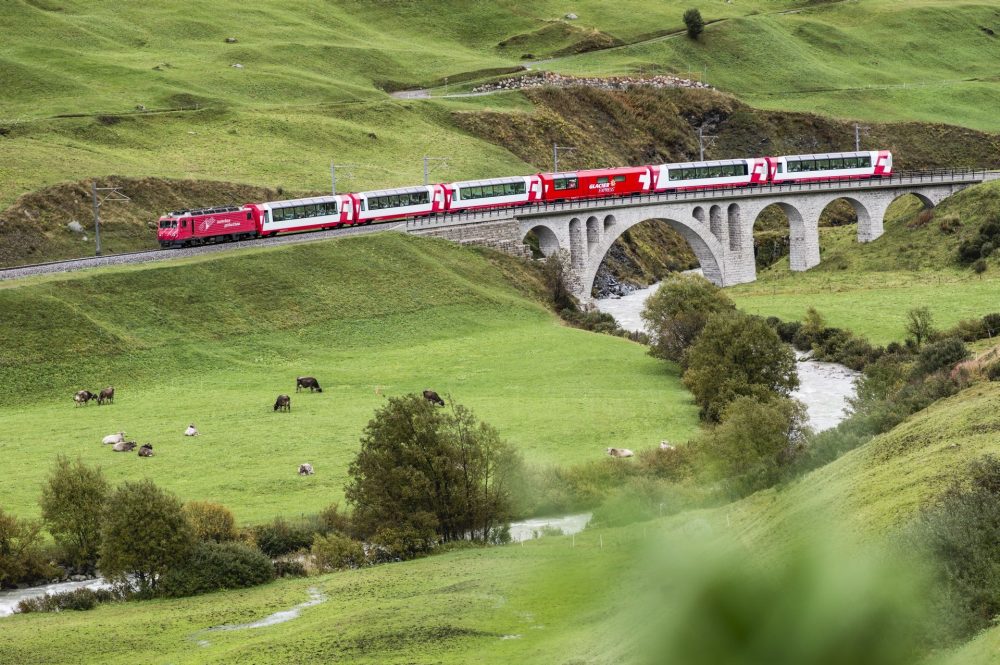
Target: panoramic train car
702	175
830	166
184	228
318	212
386	204
595	183
494	193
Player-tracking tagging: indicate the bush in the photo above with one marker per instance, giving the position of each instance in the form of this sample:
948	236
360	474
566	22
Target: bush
211	521
694	22
279	537
949	224
678	311
333	519
21	555
76	600
993	371
289	568
991	323
979	266
215	566
944	354
336	552
968	330
72	504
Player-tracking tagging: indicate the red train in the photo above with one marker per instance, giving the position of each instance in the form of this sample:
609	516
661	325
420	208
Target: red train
260	220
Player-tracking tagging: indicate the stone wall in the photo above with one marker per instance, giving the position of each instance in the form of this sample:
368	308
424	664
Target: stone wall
503	235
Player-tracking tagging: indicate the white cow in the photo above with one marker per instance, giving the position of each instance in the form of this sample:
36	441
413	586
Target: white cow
305	469
620	452
191	430
665	445
114	438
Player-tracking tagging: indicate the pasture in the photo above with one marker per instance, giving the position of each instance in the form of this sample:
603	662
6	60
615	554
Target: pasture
213	342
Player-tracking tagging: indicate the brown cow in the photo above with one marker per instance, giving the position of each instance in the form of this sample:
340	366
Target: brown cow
124	447
433	397
306	469
83	397
146	450
283	403
107	395
307	382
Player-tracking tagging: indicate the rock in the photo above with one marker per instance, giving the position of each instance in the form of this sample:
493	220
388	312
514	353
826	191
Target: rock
75	226
78	578
571	17
231	40
84	238
237	66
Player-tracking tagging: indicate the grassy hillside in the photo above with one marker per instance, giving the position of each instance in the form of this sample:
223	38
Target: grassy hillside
868	288
213	341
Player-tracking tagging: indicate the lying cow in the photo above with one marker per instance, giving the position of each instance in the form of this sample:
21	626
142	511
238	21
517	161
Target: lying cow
107	395
124	447
305	469
620	452
146	450
283	403
666	445
191	430
433	397
83	397
114	438
307	382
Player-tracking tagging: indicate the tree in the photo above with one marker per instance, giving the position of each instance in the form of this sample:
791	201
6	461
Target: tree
72	503
20	550
676	313
557	275
144	534
738	355
756	441
919	324
211	521
694	22
427	474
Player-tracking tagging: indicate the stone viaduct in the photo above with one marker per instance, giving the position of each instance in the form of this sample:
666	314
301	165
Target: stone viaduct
718	223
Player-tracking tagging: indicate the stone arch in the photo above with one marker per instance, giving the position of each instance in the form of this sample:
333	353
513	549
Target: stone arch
609	221
704	245
548	242
593	233
717	226
861	211
803	238
735	227
699	214
576	244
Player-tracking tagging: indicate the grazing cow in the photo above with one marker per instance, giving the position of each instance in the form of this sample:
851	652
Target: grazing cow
433	397
124	447
83	397
306	469
620	452
666	445
283	403
107	395
114	438
307	382
191	430
146	450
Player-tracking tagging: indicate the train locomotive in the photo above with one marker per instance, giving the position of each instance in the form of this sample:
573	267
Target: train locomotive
185	228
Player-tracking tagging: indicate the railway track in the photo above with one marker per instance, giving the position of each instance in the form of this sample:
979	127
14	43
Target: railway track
149	255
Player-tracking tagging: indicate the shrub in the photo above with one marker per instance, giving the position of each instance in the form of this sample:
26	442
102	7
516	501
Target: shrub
211	521
678	311
986	249
919	325
215	566
991	323
993	371
949	224
968	330
76	600
979	266
289	568
336	552
694	23
21	555
279	537
72	503
940	355
333	518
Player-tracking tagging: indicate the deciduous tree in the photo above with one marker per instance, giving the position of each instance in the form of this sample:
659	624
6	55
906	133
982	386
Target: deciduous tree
676	313
72	502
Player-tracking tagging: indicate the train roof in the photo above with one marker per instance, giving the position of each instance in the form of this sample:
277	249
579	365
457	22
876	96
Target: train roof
203	211
288	203
717	162
598	172
828	155
400	190
490	181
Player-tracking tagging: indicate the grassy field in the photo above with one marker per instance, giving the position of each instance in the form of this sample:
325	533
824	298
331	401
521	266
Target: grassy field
869	288
213	341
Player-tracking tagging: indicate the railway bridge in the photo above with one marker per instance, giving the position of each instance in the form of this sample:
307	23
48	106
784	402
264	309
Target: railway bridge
717	223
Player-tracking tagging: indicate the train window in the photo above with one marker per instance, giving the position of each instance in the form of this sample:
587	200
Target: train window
781	167
866	161
173	223
714	172
822	164
836	163
674	174
565	183
602	181
619	178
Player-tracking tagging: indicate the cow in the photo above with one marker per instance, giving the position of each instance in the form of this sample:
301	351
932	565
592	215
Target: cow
620	452
433	397
146	450
306	469
191	430
107	395
124	447
114	438
307	382
283	403
83	397
666	445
